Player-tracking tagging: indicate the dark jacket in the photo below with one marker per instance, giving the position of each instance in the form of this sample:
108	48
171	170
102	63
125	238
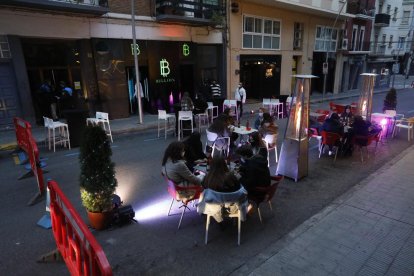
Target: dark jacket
254	172
332	125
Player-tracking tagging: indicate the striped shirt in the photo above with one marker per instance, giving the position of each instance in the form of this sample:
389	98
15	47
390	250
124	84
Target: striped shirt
215	90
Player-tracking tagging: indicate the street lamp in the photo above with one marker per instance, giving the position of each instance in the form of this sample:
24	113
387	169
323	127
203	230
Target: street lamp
134	42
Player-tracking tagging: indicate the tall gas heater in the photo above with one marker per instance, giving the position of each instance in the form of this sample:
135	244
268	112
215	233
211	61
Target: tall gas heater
365	97
293	160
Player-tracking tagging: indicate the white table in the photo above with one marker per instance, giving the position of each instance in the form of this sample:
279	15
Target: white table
243	131
378	117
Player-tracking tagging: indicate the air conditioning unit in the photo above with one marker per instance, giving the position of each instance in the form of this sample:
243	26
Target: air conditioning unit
344	45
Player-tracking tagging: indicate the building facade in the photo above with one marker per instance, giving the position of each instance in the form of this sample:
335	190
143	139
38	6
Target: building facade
270	41
88	45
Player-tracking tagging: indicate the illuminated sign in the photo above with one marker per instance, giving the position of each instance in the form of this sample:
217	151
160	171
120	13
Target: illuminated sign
136	48
186	50
164	68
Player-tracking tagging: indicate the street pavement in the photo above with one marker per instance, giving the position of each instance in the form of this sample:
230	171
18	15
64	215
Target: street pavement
369	230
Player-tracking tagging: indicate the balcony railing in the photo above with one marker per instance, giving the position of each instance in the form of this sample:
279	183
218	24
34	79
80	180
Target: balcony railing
361	9
382	20
208	12
90	7
378	49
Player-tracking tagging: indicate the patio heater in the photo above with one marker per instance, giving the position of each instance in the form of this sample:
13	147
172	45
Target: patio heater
293	162
364	107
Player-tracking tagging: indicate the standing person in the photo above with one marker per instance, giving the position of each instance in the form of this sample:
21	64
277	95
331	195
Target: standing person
215	89
186	102
66	99
240	97
390	101
48	95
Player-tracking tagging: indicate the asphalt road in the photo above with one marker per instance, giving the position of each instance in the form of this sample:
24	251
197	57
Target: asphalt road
154	246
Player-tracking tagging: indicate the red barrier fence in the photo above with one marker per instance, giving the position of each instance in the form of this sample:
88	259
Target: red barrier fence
27	143
78	247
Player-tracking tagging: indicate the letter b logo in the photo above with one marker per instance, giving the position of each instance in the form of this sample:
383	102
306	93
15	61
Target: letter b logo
164	68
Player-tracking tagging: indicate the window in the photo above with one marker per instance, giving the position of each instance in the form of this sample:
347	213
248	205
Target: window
401	42
4	47
384	39
394	17
390	42
405	18
361	39
325	39
388	9
354	37
261	33
297	36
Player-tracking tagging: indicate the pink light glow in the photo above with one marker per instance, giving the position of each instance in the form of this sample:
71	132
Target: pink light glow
153	210
383	122
171	99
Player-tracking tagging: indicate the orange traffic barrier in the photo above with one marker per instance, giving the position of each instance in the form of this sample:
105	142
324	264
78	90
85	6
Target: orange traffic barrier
77	246
28	144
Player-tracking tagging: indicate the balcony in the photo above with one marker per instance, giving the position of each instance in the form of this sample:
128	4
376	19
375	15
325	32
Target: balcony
361	10
87	7
378	49
207	13
382	20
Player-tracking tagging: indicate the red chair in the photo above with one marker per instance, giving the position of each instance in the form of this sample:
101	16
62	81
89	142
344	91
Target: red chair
362	141
183	195
332	107
264	194
324	115
331	139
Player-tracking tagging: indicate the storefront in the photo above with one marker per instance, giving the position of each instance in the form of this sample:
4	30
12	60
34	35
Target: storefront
102	74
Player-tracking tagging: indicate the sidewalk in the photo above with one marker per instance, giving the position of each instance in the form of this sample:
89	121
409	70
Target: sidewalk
128	125
367	231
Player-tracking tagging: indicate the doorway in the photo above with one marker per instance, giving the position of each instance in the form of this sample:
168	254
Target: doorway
144	87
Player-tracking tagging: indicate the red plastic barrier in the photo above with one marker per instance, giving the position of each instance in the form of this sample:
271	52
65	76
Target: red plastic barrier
27	143
82	253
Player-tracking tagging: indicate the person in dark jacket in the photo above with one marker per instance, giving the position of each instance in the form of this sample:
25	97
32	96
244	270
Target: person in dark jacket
360	126
253	169
332	124
194	150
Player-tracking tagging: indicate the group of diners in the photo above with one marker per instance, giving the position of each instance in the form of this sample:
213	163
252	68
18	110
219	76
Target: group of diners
238	173
347	125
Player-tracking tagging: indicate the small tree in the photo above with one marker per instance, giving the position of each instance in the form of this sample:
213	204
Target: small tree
97	176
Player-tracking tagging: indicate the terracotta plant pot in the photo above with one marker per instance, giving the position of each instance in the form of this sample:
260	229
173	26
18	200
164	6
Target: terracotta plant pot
99	221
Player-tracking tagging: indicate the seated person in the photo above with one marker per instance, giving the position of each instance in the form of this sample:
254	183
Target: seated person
222	186
174	167
257	144
253	169
360	127
194	150
200	105
332	124
347	116
268	127
259	118
220	127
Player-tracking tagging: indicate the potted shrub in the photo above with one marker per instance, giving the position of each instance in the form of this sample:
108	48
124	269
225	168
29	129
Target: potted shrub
97	176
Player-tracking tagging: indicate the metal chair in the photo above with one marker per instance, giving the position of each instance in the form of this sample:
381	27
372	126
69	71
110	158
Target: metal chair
184	195
164	118
63	133
260	194
407	124
184	116
270	141
202	119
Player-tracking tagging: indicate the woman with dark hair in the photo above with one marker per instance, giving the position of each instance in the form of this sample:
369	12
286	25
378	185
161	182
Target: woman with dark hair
219	178
268	127
174	167
347	116
257	144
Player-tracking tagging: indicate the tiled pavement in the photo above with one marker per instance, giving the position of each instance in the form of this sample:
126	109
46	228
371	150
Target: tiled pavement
367	231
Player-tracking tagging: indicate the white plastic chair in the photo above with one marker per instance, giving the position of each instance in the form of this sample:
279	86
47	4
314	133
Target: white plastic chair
212	110
184	116
101	118
276	108
232	104
217	143
270	139
63	133
202	119
168	120
407	124
266	103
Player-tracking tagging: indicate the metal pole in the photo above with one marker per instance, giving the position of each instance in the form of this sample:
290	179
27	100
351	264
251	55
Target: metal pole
393	73
134	41
327	50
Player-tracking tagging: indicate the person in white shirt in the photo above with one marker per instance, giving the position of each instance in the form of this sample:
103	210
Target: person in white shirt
240	97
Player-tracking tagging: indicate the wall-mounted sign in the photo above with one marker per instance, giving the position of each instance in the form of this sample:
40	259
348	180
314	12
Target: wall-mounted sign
186	50
164	72
136	48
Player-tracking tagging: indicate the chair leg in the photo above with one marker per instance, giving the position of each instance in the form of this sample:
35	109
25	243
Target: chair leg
336	153
207	226
239	228
158	128
259	213
362	156
54	140
321	150
270	206
182	215
169	210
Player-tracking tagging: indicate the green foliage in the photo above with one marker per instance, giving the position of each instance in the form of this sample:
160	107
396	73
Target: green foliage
97	177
